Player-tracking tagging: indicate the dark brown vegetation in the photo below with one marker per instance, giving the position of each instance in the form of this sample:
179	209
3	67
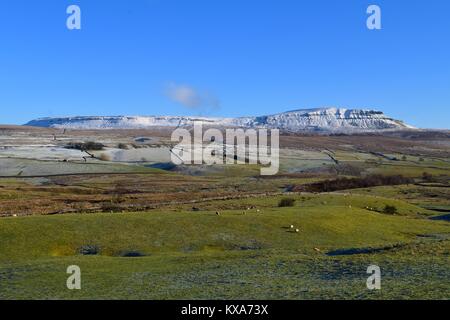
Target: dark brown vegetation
123	146
121	193
286	202
390	209
85	146
353	183
427	177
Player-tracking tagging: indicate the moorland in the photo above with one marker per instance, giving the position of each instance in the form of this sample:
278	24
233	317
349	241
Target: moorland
139	227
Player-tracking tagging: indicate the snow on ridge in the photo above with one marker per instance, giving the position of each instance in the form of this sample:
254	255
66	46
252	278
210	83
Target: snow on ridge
320	119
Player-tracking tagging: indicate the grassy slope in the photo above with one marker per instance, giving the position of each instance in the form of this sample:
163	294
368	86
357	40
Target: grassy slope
427	197
201	255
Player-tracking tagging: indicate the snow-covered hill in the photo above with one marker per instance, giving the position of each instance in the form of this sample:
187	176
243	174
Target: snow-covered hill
319	120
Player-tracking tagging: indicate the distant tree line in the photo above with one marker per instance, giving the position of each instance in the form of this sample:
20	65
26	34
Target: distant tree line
353	183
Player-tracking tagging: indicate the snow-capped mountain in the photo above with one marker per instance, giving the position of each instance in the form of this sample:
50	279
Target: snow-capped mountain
321	119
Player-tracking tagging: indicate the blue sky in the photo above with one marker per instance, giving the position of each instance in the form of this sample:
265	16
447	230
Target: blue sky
224	58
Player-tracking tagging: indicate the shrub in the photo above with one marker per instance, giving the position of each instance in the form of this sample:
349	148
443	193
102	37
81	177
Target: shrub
94	146
286	202
390	209
122	146
113	206
89	249
428	177
131	254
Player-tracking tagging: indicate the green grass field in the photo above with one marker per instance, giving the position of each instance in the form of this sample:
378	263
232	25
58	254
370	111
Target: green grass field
240	254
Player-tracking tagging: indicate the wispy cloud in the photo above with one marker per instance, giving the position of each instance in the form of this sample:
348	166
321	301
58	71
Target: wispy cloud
192	98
